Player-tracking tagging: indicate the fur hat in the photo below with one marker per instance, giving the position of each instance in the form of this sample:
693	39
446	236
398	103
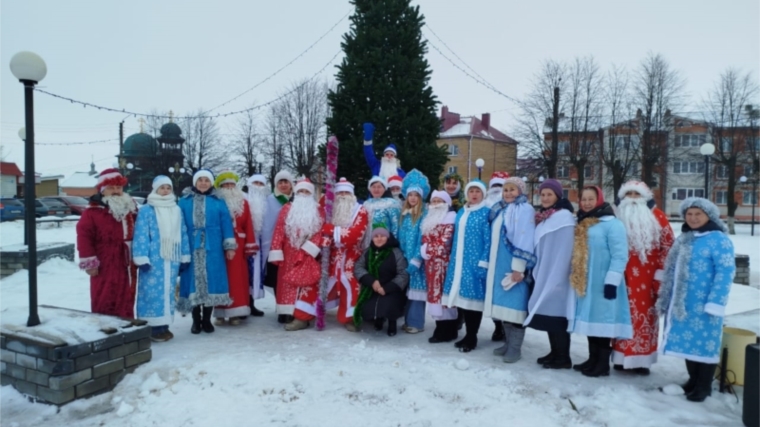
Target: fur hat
257	178
706	206
344	185
518	182
636	186
161	180
395	181
304	184
441	195
203	173
110	176
476	183
375	179
391	148
380	228
497	178
554	185
226	177
417	182
284	175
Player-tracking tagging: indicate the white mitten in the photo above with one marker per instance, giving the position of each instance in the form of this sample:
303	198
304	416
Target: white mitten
423	252
507	282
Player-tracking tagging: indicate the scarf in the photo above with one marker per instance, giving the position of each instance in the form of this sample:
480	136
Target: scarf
282	199
709	226
586	220
502	205
602	210
375	257
544	213
169	219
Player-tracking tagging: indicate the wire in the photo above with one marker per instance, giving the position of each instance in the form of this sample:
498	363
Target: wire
457	56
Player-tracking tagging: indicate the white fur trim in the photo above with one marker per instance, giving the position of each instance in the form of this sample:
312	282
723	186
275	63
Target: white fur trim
377	179
185	259
415	262
483	264
203	173
715	309
343	185
141	260
519	264
275	256
310	248
103	178
496	181
283	175
391	149
368	142
257	178
613	278
304	185
659	275
476	184
636	186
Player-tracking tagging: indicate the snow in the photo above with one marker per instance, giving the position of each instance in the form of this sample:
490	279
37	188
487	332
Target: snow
458	130
79	180
258	374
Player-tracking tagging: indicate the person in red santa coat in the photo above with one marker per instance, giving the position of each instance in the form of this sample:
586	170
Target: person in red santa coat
237	267
104	239
295	248
344	235
649	240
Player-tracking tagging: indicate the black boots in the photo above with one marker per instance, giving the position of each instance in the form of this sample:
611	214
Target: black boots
196	328
703	381
392	327
255	312
445	331
472	324
592	356
498	331
379	322
691	368
552	350
560	354
602	366
206	323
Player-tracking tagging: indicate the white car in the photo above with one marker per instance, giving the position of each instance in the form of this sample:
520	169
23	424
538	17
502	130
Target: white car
140	201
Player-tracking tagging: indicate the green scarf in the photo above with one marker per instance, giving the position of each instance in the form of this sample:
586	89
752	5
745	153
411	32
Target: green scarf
282	199
375	259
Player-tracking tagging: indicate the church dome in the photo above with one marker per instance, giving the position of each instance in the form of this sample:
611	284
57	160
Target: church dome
170	130
140	144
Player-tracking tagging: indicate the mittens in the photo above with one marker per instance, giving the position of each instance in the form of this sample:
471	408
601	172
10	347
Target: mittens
423	252
144	268
610	291
369	131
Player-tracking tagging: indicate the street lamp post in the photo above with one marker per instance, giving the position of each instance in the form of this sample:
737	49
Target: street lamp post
744	180
29	69
480	163
707	150
22	135
260	160
177	172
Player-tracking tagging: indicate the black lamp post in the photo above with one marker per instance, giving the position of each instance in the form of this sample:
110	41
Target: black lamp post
30	69
480	163
177	173
22	135
744	180
707	150
260	160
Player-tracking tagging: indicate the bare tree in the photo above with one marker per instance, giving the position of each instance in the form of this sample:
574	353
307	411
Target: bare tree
657	89
203	146
726	107
247	144
274	148
4	153
535	116
583	104
152	123
620	153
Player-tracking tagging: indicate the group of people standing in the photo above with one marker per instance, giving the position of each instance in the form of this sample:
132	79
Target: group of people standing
457	254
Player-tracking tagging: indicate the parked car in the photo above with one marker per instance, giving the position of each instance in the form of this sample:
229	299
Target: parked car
75	203
45	207
11	209
140	201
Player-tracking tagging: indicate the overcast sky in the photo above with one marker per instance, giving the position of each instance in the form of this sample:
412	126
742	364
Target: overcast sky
185	55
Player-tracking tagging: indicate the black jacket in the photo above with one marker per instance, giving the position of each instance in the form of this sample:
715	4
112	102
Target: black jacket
393	278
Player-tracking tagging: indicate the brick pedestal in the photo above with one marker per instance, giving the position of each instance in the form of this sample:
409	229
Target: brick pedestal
15	257
742	269
58	368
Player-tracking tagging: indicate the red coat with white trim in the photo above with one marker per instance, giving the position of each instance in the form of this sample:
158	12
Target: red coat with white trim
106	244
346	245
437	254
237	268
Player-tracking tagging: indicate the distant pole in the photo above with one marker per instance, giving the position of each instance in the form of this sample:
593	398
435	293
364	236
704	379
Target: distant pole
29	198
754	202
555	135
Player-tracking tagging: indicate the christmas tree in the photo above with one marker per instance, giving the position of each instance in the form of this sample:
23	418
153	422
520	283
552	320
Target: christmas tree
384	79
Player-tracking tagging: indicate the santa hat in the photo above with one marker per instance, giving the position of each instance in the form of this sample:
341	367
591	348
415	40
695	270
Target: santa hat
226	177
304	184
284	175
441	195
110	176
391	148
497	178
375	179
636	186
518	182
395	181
707	207
344	185
257	178
476	183
161	180
203	173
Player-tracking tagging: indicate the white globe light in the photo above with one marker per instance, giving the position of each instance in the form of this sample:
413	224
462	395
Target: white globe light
260	158
540	179
22	134
130	166
181	170
525	179
480	163
743	179
171	169
28	66
707	149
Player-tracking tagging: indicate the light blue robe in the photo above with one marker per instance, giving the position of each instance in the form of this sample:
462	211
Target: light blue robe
155	288
710	268
410	240
209	228
465	285
384	210
512	232
594	315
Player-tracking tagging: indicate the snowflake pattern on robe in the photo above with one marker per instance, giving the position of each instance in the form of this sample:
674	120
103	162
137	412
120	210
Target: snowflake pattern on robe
410	240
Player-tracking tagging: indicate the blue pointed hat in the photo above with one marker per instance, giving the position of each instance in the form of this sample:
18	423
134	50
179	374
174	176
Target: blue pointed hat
391	148
416	181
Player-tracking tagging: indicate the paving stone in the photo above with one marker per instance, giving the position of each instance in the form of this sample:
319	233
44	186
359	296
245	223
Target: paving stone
73	351
137	358
56	397
37	377
93	386
66	381
26	361
16	346
106	343
136	333
61	367
5	380
90	360
123	350
116	377
144	343
8	356
108	368
25	387
15	371
2	342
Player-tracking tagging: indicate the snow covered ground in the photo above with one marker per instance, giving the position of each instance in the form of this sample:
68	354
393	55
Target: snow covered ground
257	374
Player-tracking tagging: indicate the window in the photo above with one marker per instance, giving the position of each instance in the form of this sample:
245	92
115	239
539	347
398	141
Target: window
633	169
563	172
626	142
563	148
588	172
688	167
721	197
683	193
452	169
565	194
748	171
726	143
453	150
754	143
721	172
689	140
749	198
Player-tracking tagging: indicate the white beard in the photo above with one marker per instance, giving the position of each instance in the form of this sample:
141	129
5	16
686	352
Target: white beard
234	199
120	206
388	168
434	216
641	225
303	220
257	201
494	196
343	210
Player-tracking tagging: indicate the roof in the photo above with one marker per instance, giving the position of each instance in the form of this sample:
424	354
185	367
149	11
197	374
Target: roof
79	180
455	126
7	168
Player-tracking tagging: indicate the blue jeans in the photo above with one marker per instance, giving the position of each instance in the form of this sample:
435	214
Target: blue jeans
415	314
